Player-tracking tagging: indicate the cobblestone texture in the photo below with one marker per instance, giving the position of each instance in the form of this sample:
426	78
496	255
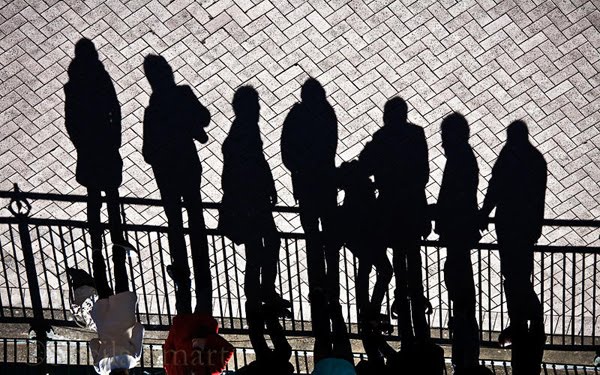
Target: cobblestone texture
495	61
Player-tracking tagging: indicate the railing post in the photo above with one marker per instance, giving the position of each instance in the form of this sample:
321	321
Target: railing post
19	207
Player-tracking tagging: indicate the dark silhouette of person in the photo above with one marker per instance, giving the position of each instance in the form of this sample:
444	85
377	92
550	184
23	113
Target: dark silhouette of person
93	122
173	119
517	189
361	233
245	216
308	149
397	157
457	225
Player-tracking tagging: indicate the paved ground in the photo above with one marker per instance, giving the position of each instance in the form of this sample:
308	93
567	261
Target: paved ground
495	61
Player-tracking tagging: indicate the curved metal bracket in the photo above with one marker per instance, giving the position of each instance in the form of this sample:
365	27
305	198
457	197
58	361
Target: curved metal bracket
18	205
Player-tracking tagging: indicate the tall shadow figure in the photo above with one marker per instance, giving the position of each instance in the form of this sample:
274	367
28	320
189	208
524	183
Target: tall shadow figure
362	235
246	217
457	225
517	190
93	122
308	149
397	157
173	119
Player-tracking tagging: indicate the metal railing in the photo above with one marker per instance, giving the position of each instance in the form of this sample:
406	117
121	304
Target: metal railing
68	356
36	252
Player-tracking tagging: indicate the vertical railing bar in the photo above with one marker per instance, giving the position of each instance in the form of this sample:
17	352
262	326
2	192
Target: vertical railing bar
151	356
1	301
146	307
290	293
12	240
62	297
8	293
28	350
228	288
543	284
387	293
347	281
237	282
583	280
355	269
223	317
300	285
218	278
489	288
480	294
279	272
573	294
88	355
297	360
65	257
153	265
162	262
427	285
502	323
564	298
37	230
109	265
552	328
305	354
594	295
78	356
441	318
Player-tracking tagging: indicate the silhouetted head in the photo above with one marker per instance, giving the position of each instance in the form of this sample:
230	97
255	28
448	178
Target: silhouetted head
159	72
121	371
312	92
85	50
517	133
395	111
246	104
455	131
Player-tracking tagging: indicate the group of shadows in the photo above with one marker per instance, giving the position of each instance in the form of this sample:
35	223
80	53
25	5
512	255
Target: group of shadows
384	206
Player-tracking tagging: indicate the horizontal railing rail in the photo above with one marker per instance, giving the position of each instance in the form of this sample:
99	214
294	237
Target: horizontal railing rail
35	253
73	357
74	198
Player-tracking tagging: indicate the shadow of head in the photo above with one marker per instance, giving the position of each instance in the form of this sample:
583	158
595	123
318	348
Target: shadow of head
455	131
159	72
395	111
352	176
245	103
85	50
312	92
517	133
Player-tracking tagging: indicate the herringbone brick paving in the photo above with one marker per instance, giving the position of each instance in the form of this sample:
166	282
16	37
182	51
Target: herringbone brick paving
494	61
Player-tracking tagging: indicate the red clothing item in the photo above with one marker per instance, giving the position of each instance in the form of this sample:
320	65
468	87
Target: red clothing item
181	358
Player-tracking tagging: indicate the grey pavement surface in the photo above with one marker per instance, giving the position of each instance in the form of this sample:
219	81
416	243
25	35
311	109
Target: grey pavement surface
494	61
